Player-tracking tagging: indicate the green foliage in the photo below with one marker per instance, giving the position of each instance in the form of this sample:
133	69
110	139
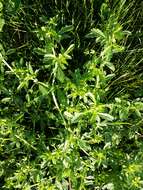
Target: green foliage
62	126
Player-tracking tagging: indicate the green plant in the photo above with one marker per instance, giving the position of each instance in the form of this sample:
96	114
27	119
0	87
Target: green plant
61	126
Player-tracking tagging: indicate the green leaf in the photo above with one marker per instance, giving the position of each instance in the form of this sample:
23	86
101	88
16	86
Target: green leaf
39	51
2	22
83	145
1	6
68	115
11	51
96	33
5	100
44	90
30	69
126	32
18	117
66	29
109	186
60	75
76	117
123	113
62	98
139	105
138	113
50	56
110	66
105	11
17	4
110	76
106	116
107	53
70	48
117	48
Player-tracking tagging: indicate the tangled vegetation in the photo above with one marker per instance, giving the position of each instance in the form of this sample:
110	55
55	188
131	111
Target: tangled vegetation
71	106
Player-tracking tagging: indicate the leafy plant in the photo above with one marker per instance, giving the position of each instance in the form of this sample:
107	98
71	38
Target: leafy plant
62	127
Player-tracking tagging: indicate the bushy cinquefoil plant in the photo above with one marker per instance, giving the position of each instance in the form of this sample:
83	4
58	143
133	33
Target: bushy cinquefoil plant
58	128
